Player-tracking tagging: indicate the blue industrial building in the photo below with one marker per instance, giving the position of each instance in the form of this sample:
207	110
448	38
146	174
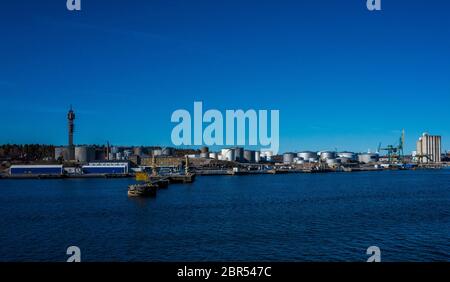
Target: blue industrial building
36	170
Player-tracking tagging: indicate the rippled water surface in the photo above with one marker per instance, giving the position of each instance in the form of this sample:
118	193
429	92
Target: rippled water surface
298	217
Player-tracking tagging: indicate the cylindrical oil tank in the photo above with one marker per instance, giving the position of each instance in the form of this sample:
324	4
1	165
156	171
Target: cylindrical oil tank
288	158
249	156
257	156
347	155
327	155
239	154
228	155
204	150
332	162
343	160
307	155
368	158
84	154
214	156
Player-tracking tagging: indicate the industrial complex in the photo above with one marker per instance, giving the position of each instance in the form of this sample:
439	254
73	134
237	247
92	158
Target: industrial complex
108	160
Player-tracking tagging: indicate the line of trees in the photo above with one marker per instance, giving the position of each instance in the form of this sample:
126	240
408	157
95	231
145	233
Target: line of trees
26	152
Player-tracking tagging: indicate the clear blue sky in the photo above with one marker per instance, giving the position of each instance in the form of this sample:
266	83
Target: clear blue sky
341	76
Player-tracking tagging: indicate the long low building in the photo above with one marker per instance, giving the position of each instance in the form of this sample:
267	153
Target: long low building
106	168
36	170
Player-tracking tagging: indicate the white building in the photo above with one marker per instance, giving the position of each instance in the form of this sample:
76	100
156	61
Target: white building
429	149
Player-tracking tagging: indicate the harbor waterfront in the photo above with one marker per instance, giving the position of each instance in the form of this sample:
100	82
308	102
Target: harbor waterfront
286	217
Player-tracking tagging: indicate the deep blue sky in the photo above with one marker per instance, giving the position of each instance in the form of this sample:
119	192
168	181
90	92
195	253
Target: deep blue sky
341	76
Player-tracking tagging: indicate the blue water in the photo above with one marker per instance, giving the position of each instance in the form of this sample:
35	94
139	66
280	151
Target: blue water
298	217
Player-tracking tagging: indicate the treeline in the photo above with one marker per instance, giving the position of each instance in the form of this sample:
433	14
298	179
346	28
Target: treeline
26	152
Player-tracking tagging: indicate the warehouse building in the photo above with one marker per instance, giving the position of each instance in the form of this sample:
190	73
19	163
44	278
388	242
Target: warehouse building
106	168
36	170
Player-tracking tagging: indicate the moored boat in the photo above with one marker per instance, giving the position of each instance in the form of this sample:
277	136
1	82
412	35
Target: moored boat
142	190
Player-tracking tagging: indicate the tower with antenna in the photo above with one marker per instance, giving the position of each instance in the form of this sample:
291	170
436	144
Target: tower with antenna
71	128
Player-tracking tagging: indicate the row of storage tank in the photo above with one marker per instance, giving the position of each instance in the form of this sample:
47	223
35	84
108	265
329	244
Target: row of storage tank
329	157
235	154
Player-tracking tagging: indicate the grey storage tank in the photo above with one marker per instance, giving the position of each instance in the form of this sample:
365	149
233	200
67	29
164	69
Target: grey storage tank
307	155
288	158
328	155
368	158
84	154
249	156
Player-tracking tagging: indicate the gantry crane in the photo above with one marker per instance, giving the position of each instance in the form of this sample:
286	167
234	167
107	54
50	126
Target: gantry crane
395	152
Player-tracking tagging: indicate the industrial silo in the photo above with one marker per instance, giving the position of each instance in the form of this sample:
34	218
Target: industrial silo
288	158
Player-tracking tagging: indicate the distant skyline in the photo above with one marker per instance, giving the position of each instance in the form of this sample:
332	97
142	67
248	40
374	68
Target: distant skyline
341	76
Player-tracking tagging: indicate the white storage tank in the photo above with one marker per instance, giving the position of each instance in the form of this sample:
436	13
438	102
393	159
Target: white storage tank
288	158
368	158
84	154
228	155
347	155
214	156
327	155
307	155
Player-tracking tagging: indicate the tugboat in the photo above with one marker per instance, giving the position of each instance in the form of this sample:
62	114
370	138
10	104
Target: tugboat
142	190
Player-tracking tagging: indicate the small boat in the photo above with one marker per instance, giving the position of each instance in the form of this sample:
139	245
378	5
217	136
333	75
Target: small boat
142	190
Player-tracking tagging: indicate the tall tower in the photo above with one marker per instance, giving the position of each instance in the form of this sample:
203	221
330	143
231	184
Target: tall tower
71	127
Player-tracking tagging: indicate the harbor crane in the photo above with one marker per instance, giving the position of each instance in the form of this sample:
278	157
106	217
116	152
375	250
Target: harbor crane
395	152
